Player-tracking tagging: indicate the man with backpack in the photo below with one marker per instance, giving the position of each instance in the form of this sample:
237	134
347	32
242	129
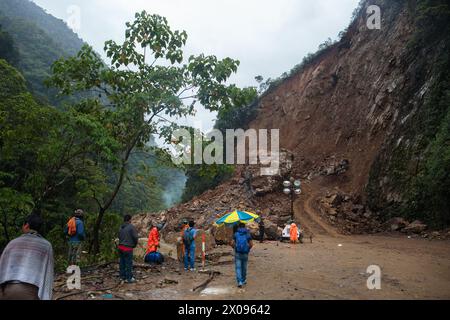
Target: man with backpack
128	240
242	244
75	230
189	245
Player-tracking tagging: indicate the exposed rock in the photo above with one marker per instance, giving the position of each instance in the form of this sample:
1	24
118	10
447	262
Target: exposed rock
396	224
254	229
272	230
415	227
222	235
337	200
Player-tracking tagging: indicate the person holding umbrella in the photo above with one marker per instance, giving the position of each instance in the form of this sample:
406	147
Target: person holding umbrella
241	242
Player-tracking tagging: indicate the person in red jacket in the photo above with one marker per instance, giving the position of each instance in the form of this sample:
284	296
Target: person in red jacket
153	240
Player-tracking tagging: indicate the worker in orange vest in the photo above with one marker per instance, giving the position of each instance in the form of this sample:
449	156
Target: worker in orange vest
293	232
153	240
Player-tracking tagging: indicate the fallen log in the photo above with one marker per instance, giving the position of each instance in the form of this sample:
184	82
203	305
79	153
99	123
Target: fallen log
207	281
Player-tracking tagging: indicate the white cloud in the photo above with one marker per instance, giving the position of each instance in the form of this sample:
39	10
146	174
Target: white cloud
268	37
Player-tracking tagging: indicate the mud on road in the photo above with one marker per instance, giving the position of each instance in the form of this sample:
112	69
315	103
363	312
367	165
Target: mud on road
411	269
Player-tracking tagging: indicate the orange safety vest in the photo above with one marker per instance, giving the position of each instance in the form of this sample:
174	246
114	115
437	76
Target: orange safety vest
294	232
153	240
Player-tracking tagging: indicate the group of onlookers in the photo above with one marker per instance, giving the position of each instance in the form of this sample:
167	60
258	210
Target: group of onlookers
26	264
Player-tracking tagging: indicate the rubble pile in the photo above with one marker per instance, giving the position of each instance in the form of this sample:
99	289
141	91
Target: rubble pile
248	190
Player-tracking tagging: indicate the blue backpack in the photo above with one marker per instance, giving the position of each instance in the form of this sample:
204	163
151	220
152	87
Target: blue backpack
188	237
154	258
241	238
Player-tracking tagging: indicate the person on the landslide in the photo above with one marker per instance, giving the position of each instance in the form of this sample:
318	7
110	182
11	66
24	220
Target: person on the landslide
26	265
189	244
128	240
261	231
75	230
294	233
153	240
242	244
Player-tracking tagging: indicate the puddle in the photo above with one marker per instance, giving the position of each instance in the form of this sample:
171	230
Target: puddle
217	291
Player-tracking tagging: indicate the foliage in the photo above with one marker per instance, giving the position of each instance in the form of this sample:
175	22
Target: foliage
14	207
140	94
45	153
8	50
39	40
240	112
205	177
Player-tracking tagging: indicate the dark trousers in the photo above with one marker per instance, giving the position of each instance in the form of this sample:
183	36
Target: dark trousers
18	291
126	265
261	235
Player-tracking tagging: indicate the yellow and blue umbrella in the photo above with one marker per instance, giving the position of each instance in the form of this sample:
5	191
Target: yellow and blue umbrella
235	217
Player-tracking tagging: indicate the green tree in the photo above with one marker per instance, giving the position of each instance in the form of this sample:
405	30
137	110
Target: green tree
146	81
46	161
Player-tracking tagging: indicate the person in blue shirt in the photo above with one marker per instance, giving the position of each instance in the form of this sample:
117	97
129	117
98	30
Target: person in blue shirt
75	230
189	245
242	244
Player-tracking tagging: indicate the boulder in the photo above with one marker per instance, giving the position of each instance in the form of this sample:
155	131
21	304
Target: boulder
272	231
222	235
415	227
396	224
337	200
254	229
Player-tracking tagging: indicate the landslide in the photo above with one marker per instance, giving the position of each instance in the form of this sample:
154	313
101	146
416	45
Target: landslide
350	120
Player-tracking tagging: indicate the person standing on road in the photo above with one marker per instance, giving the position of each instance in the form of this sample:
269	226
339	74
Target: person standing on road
293	232
242	244
128	240
75	230
189	244
26	265
261	231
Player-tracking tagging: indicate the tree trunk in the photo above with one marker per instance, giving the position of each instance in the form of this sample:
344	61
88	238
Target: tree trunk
94	246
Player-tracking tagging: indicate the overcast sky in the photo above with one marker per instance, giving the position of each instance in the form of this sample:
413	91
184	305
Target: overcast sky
269	37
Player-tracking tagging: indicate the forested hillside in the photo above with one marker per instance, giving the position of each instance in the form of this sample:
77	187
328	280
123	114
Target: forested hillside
46	144
40	39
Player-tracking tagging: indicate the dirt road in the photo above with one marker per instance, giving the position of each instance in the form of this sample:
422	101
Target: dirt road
411	269
332	267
